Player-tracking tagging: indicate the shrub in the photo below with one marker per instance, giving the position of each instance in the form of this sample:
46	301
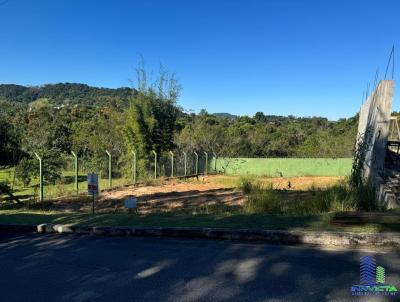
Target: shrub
52	166
24	171
248	184
347	197
261	199
341	197
150	181
366	198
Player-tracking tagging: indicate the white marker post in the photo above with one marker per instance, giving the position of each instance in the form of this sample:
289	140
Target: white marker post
130	203
93	187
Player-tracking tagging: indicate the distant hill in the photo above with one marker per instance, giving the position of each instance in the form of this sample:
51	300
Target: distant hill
226	115
65	93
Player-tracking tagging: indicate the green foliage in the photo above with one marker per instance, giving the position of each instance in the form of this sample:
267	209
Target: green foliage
341	197
60	118
12	127
151	119
4	187
66	94
365	198
356	177
93	132
24	171
52	166
248	184
263	200
268	136
345	197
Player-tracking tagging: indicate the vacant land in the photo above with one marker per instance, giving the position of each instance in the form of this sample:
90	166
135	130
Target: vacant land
302	171
211	201
189	195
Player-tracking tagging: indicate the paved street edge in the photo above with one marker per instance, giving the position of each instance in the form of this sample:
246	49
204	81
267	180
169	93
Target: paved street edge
267	236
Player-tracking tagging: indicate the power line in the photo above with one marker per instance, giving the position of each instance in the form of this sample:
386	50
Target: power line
391	59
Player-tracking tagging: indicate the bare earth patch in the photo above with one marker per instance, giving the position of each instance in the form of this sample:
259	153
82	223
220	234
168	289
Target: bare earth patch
188	195
174	195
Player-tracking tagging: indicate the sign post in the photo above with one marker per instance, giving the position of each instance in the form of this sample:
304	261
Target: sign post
130	203
93	187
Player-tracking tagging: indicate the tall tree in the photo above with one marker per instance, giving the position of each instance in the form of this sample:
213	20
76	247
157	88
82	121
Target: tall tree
151	120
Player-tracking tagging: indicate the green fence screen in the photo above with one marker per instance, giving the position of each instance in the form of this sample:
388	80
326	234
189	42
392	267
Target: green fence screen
283	167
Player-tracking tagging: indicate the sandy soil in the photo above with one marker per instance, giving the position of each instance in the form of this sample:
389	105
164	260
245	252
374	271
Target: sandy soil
174	195
189	195
304	183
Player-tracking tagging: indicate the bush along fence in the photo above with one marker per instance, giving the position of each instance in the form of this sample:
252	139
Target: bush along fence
72	178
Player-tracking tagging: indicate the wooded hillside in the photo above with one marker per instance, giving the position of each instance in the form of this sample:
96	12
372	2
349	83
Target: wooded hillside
54	120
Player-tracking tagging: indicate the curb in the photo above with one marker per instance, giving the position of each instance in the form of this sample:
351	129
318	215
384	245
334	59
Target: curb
265	236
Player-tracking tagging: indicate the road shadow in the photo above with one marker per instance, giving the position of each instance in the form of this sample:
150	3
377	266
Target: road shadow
84	268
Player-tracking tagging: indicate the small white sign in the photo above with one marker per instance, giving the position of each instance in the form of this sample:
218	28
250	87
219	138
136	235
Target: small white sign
93	184
130	203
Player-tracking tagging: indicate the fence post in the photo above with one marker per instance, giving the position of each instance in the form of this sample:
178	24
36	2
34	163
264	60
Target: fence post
109	169
155	164
134	167
185	162
206	167
197	162
41	197
172	163
215	162
75	171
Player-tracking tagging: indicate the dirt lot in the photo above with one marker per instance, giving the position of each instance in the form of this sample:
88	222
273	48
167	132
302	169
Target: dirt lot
190	194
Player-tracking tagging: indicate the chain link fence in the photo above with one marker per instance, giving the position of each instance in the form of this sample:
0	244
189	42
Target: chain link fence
69	177
113	172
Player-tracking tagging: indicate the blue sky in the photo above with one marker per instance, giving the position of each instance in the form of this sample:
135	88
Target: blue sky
303	58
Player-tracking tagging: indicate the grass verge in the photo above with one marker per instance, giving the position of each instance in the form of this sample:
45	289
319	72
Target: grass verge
321	222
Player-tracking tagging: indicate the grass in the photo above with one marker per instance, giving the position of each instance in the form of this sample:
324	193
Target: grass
263	198
66	186
304	183
321	222
63	188
265	208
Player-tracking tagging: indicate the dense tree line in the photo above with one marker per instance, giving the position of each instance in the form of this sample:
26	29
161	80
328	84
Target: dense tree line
66	94
54	120
268	136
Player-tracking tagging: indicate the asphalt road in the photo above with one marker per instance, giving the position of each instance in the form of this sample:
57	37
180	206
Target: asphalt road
86	268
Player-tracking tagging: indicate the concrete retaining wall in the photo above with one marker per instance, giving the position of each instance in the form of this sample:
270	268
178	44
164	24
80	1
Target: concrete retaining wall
251	235
373	128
